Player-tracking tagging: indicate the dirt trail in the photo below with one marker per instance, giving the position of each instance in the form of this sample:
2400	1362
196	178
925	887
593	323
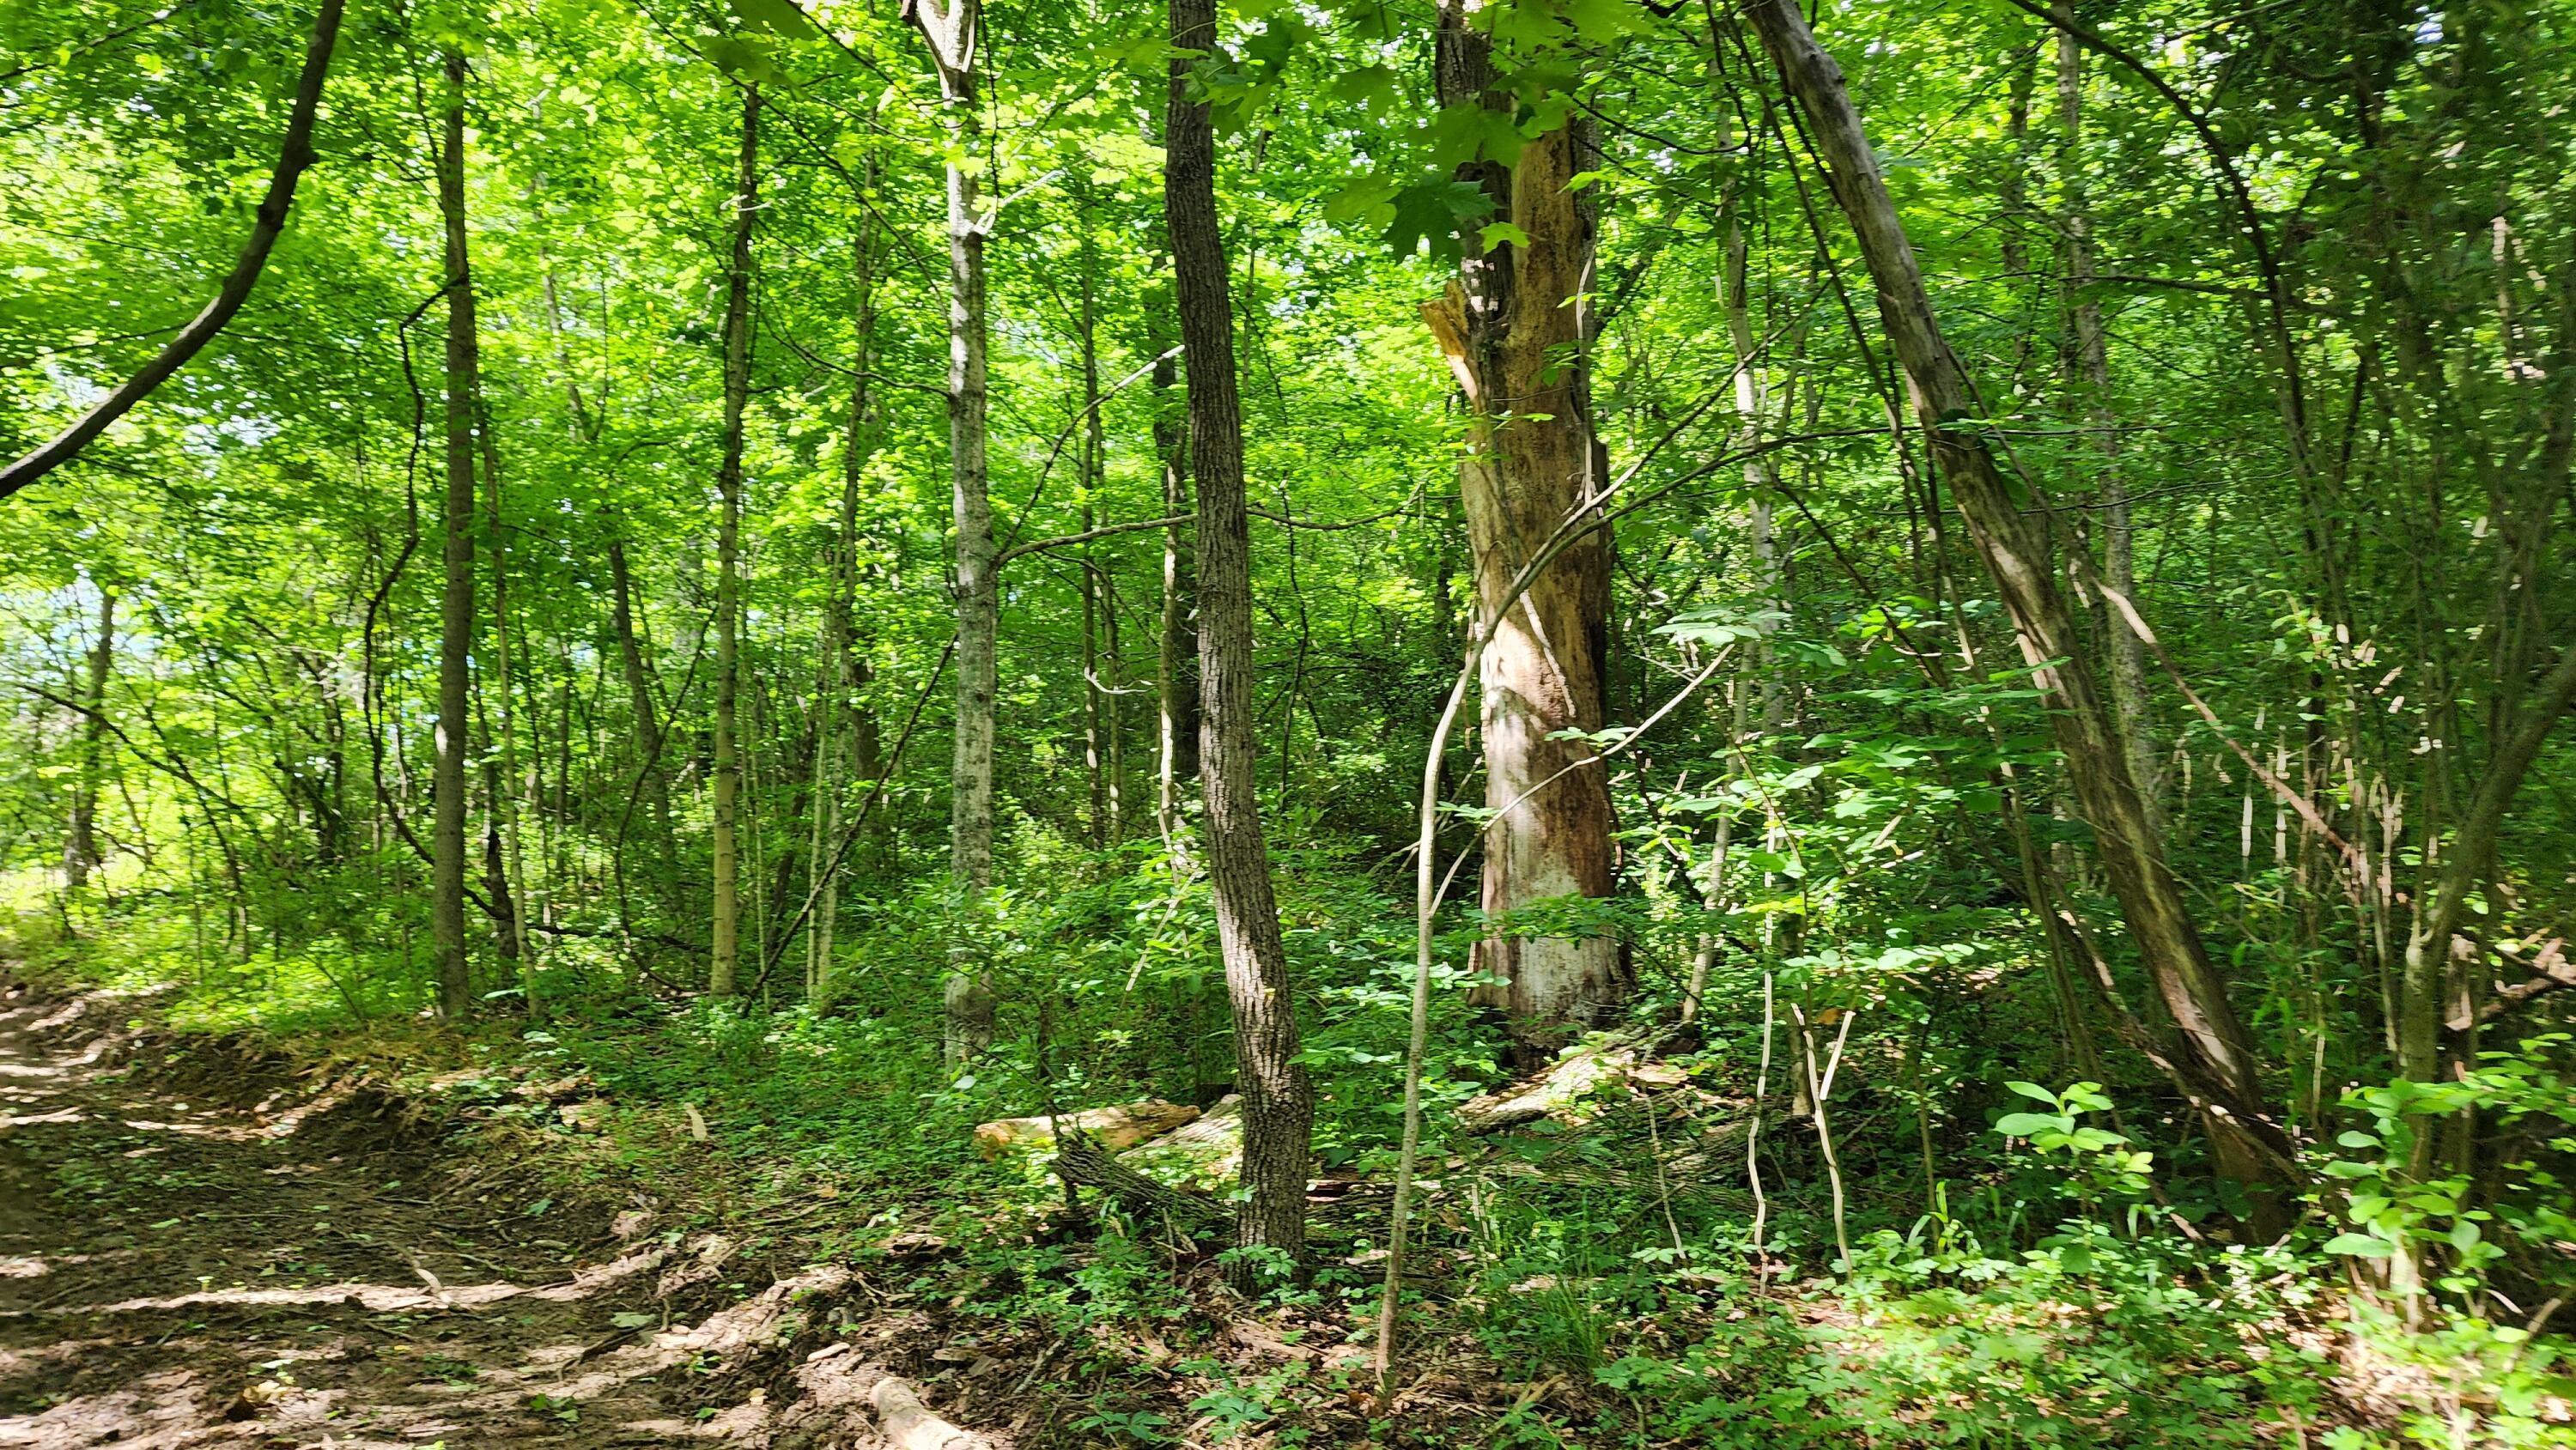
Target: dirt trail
181	1265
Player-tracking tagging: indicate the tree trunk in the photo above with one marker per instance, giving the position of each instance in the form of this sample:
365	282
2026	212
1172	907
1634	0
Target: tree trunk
2466	865
507	814
1097	703
1514	334
954	30
80	847
1176	755
844	752
737	387
1278	1101
2217	1069
648	726
2128	653
456	596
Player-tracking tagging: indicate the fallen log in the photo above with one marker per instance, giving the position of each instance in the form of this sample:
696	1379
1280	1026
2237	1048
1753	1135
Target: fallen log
1114	1128
1084	1162
1206	1151
1558	1092
909	1424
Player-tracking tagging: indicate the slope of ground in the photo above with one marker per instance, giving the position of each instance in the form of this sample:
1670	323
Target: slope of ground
196	1249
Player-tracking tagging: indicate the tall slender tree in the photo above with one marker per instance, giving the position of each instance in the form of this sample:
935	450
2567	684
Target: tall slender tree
80	850
1176	679
1278	1101
2217	1064
954	33
727	769
456	593
2090	346
845	726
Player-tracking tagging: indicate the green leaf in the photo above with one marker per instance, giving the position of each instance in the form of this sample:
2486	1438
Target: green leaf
2024	1125
1374	87
2359	1246
746	58
1497	233
2034	1091
777	17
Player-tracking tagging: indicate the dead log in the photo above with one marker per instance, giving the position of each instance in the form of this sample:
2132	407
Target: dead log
1114	1128
1558	1092
1207	1151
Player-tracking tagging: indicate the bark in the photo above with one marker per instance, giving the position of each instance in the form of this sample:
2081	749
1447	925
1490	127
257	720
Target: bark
2465	867
2217	1068
2128	653
294	154
1176	674
456	595
1099	706
954	31
1278	1101
1514	336
80	849
727	939
844	751
648	727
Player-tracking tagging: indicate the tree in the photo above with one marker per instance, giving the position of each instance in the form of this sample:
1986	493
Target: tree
294	154
1514	328
2127	653
80	849
737	389
2216	1066
1278	1101
954	32
1176	677
455	970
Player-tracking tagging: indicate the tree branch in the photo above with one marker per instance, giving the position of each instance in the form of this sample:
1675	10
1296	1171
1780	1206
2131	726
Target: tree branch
294	154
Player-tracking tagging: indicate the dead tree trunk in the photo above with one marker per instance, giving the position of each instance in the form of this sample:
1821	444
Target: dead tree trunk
1514	333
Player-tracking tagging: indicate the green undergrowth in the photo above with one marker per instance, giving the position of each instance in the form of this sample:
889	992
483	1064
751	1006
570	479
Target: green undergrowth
2021	1272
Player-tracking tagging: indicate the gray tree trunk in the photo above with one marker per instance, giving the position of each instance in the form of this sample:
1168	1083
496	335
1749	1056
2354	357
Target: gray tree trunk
954	31
737	388
2128	653
1278	1101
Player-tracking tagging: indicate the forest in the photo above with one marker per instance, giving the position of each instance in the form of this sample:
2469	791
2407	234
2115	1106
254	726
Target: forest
1519	723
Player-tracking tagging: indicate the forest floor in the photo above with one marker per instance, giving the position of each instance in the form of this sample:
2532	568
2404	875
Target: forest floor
200	1246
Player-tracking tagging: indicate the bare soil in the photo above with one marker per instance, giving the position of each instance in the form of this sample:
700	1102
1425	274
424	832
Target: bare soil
198	1247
